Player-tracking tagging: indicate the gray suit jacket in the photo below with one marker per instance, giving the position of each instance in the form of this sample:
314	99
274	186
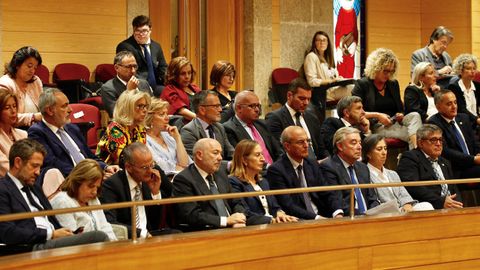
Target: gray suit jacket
113	88
193	131
423	55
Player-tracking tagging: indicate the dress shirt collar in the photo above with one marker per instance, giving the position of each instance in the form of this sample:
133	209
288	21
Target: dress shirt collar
345	164
292	112
124	82
202	173
50	126
428	157
203	123
16	181
379	174
345	122
295	164
132	184
244	125
464	88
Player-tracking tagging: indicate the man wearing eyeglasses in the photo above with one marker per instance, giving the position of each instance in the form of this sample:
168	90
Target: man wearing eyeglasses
148	53
295	170
140	180
246	125
208	108
126	68
425	163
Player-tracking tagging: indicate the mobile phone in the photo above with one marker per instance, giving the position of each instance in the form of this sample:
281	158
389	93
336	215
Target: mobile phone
393	119
78	230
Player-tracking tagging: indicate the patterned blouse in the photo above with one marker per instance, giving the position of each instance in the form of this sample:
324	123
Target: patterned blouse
115	138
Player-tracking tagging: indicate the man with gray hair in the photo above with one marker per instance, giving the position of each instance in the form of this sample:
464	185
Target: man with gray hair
63	141
126	68
295	170
343	168
425	163
350	112
207	107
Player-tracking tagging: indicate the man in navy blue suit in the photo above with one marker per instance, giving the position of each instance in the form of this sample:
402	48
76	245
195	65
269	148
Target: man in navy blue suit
294	170
18	194
63	141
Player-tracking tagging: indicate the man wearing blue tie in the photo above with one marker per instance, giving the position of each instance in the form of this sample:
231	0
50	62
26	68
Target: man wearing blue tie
148	53
343	168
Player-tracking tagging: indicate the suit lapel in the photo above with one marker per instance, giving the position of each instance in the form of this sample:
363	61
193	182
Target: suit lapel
199	128
16	193
202	186
285	114
342	172
464	130
55	139
240	129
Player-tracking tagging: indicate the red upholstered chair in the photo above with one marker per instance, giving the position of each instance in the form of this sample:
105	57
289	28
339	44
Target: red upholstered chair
104	72
70	77
44	74
88	118
281	77
477	77
395	148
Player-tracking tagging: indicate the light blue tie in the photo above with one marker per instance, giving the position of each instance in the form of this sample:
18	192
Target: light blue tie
74	152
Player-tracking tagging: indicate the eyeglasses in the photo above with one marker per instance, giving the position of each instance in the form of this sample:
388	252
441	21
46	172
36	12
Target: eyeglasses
302	142
253	106
388	71
141	107
147	167
141	31
435	140
129	66
216	106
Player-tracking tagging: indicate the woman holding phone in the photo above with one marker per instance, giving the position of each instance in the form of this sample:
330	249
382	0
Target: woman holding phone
163	140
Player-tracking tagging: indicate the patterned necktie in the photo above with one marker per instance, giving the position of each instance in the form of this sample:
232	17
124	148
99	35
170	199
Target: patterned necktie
439	176
151	73
459	137
358	193
258	138
306	195
137	198
72	150
221	209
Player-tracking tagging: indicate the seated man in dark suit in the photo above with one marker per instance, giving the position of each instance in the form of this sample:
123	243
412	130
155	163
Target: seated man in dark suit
294	113
460	147
246	125
295	170
343	168
126	68
18	194
148	53
63	141
203	177
425	163
350	112
139	181
207	107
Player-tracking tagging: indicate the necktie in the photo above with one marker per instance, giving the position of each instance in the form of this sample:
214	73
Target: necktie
72	150
211	134
32	201
137	198
438	176
221	209
311	153
306	196
258	138
358	193
459	137
151	73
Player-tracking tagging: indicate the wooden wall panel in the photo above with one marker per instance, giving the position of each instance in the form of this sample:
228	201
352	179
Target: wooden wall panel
160	16
84	32
475	29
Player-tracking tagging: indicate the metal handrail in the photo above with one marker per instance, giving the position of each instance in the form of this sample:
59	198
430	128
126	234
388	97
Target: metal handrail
134	204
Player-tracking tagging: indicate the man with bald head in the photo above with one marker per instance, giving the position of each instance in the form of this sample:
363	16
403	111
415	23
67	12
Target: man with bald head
295	170
203	177
246	125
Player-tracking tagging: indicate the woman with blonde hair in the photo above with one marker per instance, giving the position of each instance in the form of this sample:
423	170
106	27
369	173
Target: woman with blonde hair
81	188
179	88
127	125
247	163
163	140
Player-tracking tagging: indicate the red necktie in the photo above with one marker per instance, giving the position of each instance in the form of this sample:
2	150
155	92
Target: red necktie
259	139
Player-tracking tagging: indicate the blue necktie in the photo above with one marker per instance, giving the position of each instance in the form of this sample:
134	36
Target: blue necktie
358	192
151	73
459	138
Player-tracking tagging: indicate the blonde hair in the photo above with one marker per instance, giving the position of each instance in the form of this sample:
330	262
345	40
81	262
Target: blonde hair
419	71
243	149
86	170
378	60
174	68
125	107
157	105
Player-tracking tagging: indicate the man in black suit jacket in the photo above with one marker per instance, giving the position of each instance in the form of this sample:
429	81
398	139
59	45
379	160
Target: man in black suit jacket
140	180
343	168
18	194
137	43
350	112
465	163
126	68
55	109
294	111
425	163
203	177
295	170
246	125
455	87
